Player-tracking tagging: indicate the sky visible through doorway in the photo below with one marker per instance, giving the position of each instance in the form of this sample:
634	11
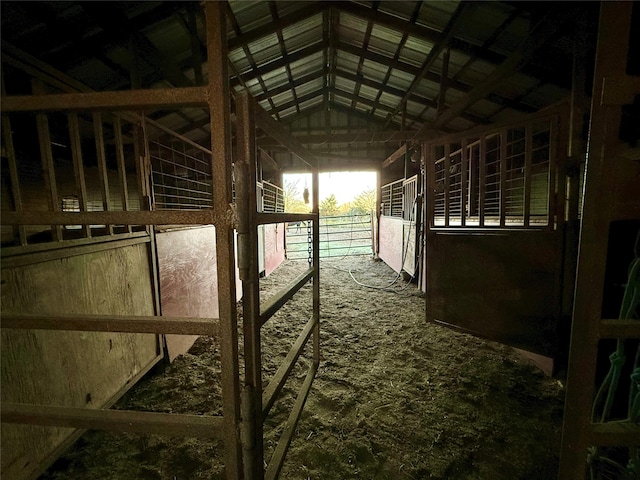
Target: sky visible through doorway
345	186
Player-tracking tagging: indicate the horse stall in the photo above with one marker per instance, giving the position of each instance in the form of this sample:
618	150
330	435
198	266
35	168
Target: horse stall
119	248
496	233
399	224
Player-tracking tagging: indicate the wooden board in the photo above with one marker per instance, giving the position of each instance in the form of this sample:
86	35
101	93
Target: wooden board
504	286
188	279
391	230
273	246
70	368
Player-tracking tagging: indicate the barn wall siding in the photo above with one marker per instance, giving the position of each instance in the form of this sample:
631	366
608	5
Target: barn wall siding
188	281
391	241
79	369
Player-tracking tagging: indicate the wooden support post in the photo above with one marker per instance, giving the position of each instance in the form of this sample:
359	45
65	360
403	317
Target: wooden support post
220	114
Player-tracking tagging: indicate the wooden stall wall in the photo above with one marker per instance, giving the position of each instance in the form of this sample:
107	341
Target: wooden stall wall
188	279
391	241
501	285
79	369
273	246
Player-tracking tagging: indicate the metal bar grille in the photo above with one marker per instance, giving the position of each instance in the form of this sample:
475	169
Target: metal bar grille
501	179
391	199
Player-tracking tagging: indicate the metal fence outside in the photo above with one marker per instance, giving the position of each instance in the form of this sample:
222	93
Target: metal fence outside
340	236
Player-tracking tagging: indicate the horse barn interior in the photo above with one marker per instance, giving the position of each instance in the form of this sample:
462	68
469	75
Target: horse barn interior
143	152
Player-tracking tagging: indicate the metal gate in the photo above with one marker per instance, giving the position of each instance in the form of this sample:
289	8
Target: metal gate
240	427
339	236
495	215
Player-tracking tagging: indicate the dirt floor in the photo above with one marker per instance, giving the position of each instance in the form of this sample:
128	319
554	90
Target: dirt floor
395	397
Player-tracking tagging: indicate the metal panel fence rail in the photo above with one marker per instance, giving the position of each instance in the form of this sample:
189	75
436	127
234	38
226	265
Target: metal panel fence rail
503	177
606	414
256	400
117	203
391	199
340	236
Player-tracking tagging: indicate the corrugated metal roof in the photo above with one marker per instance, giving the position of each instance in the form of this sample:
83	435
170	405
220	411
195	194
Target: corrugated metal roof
368	52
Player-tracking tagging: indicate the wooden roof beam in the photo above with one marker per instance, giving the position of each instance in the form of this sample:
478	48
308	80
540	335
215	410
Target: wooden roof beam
546	28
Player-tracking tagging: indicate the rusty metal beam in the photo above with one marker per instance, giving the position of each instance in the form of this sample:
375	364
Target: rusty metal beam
114	323
121	100
113	420
221	171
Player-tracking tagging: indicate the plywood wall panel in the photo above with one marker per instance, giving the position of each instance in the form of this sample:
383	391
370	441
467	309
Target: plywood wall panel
391	230
80	369
188	279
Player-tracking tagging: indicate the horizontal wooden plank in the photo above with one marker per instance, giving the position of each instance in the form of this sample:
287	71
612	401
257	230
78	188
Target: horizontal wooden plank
619	328
68	249
114	100
156	217
615	434
270	218
277	382
277	459
114	420
114	323
283	296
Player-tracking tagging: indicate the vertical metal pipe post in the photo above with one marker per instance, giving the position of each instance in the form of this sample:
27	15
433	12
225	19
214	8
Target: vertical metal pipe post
122	171
102	164
503	177
447	182
246	201
528	153
221	169
78	166
48	170
464	168
315	185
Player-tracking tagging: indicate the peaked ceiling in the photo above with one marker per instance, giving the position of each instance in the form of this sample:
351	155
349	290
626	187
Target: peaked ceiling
401	69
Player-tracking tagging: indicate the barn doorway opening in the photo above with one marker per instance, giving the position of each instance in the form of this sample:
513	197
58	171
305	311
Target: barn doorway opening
347	204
